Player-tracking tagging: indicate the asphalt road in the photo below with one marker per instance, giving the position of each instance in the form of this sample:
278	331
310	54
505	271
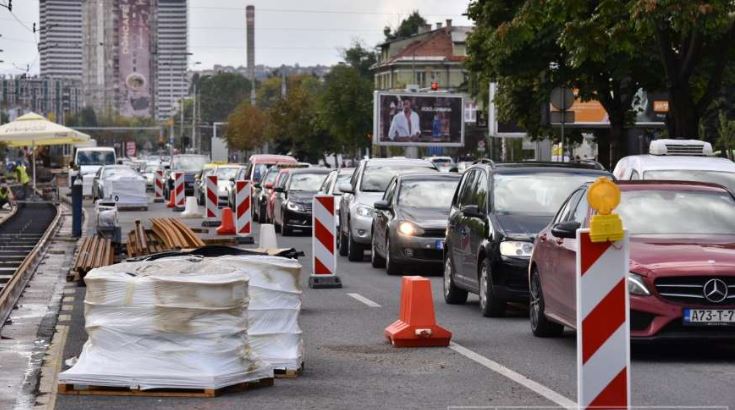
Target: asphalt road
496	362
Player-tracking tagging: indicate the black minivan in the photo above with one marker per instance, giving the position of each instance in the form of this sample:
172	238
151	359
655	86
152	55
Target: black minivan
496	213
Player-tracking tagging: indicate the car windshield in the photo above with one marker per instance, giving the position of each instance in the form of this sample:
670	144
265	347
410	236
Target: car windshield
259	171
536	194
270	177
189	163
427	194
306	182
341	179
441	161
666	212
726	179
376	178
95	158
224	174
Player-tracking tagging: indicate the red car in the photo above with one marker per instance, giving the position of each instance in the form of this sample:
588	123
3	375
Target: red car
682	261
280	181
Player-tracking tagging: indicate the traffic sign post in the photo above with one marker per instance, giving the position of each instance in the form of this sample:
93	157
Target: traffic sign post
603	332
324	244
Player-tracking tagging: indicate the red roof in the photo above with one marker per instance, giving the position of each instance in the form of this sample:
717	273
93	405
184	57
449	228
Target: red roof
437	44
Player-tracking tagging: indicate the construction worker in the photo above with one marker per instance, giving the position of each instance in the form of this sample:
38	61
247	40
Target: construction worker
6	195
21	175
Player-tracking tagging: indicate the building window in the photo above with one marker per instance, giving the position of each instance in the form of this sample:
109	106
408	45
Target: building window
420	78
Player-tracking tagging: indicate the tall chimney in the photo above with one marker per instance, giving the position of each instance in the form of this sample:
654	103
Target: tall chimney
438	25
250	25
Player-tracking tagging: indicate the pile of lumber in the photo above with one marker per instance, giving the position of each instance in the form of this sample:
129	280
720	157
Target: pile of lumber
94	252
167	234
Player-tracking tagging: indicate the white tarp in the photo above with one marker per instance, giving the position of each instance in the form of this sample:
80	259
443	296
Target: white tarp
126	190
180	323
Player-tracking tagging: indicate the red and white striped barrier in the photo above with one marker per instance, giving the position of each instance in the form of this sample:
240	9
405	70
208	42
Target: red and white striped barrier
158	185
324	244
180	198
603	333
244	214
211	200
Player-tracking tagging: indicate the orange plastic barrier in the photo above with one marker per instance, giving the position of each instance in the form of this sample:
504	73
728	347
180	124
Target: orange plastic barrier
172	200
416	326
227	223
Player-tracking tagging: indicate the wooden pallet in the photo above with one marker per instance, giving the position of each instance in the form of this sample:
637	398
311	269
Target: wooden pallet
81	390
288	373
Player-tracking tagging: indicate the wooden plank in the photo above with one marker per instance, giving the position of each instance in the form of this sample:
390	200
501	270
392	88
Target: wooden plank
80	390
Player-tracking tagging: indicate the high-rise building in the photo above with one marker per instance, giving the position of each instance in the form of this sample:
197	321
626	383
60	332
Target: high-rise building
60	32
171	56
99	76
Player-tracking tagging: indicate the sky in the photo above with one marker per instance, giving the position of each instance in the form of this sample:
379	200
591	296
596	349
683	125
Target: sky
307	32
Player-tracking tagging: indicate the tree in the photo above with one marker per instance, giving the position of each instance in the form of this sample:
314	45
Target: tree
726	135
219	94
346	107
245	127
408	27
360	58
532	46
695	42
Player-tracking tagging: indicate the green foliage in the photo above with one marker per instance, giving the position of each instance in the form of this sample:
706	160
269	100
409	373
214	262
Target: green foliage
245	127
360	58
408	27
219	94
726	135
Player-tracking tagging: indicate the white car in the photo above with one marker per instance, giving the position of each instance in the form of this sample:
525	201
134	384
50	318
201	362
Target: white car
330	186
684	160
87	161
120	184
443	164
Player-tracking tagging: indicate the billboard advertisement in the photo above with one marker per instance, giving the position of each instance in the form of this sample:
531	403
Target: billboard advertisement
650	110
134	31
418	119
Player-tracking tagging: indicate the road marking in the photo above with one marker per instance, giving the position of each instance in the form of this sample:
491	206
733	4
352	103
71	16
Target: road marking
516	377
363	299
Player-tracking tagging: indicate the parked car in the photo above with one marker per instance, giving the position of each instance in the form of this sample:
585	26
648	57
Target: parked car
261	192
120	184
280	182
367	185
496	213
410	222
227	174
685	160
331	187
87	161
258	165
188	164
443	164
682	261
293	208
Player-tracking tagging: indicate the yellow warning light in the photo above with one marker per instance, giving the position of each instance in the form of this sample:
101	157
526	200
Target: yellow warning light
603	196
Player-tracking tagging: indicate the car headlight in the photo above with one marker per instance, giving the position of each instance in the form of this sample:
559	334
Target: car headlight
516	248
636	285
293	206
363	210
409	229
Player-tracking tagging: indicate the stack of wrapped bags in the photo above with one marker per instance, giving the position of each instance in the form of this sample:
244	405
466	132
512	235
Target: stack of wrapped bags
190	322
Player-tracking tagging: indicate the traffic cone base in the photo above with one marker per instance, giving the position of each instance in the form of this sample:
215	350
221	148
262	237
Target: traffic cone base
416	326
172	200
227	225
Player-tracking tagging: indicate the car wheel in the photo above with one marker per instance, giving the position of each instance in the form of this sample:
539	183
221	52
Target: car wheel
342	243
376	260
452	294
490	305
355	252
286	230
391	267
541	326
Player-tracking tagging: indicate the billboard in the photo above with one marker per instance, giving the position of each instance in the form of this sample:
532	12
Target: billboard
134	30
418	119
650	110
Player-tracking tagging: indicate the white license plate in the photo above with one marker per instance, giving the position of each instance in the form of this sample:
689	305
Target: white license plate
709	316
439	244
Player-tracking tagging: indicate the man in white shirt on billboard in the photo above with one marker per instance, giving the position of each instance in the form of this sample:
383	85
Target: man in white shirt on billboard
405	124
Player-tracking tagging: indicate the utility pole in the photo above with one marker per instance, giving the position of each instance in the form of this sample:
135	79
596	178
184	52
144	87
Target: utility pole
194	116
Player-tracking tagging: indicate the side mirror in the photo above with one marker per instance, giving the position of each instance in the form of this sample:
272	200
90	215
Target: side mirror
269	185
565	229
346	188
257	185
472	211
454	169
382	205
280	190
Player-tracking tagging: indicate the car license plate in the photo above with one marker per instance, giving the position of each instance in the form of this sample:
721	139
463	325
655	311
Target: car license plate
709	316
439	244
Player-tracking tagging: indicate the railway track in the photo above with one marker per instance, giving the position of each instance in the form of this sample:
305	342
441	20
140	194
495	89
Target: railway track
23	238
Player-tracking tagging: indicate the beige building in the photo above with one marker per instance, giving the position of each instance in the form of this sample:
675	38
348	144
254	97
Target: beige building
430	56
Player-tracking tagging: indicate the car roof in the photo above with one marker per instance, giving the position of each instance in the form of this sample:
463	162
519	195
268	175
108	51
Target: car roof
648	162
310	170
531	168
398	161
645	185
434	176
270	159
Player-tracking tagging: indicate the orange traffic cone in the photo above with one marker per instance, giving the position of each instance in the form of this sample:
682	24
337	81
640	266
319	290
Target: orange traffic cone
172	200
416	326
227	222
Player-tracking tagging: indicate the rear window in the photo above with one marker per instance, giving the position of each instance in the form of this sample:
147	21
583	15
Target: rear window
726	179
95	158
376	178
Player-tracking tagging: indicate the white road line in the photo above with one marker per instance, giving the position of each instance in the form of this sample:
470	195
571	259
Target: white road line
516	377
363	299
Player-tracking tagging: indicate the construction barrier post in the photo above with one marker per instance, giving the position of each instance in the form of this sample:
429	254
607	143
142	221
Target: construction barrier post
603	332
324	244
158	185
211	201
243	211
416	325
180	198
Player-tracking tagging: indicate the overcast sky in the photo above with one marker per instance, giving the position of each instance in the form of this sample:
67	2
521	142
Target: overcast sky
286	31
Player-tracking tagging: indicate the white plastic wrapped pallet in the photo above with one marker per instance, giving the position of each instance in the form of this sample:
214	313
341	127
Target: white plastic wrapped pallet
175	323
